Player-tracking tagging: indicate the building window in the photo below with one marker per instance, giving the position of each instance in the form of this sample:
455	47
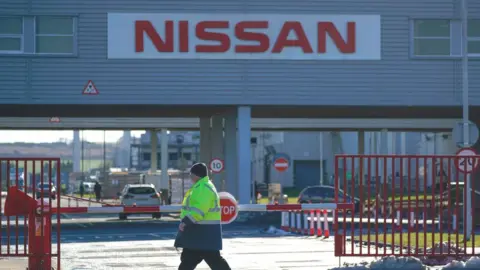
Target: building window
54	35
11	34
172	156
431	37
147	156
474	37
187	156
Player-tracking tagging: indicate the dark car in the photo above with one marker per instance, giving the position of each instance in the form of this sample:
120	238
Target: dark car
325	194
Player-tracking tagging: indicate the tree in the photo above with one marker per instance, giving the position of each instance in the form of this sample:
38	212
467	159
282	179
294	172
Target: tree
67	166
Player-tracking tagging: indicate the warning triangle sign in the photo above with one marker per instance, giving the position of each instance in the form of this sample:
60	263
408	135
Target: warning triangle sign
90	89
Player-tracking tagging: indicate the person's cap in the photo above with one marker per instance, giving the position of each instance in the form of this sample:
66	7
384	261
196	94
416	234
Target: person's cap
199	169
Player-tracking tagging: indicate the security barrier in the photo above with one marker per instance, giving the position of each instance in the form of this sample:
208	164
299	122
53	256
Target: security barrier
405	206
26	211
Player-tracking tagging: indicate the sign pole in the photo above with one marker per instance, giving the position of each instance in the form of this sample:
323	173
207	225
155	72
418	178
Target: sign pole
321	157
465	105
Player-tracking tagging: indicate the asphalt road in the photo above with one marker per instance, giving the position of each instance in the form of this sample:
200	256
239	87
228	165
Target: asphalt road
64	202
142	244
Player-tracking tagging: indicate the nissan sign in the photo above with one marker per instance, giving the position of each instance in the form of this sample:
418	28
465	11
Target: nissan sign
240	36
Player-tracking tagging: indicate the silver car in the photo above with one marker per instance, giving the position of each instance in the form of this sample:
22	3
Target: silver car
140	195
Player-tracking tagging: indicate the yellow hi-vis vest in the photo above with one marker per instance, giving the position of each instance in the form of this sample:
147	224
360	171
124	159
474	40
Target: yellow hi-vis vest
201	204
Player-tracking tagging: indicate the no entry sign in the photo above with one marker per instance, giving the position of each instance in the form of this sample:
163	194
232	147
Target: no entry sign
216	165
467	161
281	164
229	207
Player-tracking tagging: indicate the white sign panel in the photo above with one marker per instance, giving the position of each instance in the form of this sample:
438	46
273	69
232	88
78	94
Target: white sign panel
244	36
468	160
216	165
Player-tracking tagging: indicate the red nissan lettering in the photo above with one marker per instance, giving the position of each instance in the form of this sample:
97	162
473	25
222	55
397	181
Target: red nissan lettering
203	34
146	27
183	36
262	39
344	46
283	41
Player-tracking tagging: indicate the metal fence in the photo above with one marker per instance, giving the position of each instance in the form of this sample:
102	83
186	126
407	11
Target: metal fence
420	212
28	232
179	184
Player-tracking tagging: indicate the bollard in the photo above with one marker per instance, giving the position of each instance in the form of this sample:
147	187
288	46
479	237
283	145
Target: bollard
292	221
285	219
299	222
312	223
40	237
454	220
319	224
305	223
412	222
325	219
398	225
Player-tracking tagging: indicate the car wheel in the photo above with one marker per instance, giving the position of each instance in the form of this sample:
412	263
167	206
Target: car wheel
122	216
156	215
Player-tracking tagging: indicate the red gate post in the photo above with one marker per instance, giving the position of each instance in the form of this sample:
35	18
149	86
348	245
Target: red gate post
40	236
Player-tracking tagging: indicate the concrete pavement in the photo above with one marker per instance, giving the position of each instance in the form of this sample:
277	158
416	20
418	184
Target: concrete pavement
13	263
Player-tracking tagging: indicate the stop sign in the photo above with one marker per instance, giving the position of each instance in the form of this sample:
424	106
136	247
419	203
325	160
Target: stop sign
229	207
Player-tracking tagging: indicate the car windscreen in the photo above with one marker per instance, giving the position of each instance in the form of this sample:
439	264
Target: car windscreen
141	190
44	186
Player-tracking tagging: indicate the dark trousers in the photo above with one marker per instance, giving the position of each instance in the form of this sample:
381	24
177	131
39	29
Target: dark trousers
191	258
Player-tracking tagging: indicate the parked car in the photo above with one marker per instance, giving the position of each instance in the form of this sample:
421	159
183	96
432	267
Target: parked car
325	194
140	195
45	190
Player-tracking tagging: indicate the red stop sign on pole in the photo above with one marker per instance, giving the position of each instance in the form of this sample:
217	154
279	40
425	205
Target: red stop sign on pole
229	207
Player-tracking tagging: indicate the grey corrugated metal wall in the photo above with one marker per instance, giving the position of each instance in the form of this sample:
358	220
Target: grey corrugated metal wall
394	80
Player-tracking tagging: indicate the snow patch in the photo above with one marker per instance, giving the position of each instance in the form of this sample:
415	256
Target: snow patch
390	262
472	263
442	248
393	262
275	231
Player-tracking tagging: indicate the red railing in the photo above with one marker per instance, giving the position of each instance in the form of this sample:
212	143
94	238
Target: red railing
29	175
405	206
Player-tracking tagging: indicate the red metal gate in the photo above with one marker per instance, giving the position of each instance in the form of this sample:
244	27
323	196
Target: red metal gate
405	206
38	180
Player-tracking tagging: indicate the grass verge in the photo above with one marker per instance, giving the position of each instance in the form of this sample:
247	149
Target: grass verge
266	201
431	238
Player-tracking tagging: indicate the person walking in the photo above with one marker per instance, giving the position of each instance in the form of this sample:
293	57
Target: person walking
82	190
200	229
98	191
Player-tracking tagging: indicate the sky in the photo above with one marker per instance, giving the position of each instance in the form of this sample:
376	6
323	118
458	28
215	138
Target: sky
39	136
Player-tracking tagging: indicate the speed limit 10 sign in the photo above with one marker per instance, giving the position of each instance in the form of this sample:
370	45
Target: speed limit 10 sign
216	165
